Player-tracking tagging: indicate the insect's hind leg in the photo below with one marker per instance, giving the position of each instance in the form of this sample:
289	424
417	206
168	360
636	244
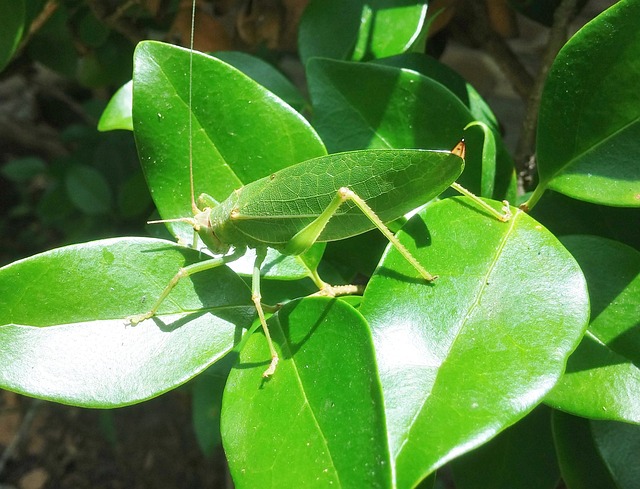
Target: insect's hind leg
305	238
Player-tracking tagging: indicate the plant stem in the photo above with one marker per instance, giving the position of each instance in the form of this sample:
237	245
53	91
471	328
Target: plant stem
525	150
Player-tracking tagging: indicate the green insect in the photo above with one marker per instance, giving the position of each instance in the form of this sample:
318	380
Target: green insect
328	198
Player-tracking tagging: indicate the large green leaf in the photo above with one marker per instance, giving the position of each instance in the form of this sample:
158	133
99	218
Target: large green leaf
410	111
465	357
360	29
319	421
521	457
229	111
11	27
65	335
589	125
602	378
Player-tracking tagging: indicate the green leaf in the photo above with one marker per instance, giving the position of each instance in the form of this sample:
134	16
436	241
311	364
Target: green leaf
65	335
359	30
229	111
441	73
206	403
522	457
580	462
88	190
602	376
11	27
417	112
319	420
589	124
619	445
117	113
266	75
23	169
465	357
579	217
53	44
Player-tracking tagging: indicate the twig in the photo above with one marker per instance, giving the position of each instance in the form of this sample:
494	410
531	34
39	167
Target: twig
479	28
526	143
21	434
116	21
47	11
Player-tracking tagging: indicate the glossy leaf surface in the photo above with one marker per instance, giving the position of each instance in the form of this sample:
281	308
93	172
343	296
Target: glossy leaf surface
359	29
589	124
602	376
465	357
65	335
229	111
319	421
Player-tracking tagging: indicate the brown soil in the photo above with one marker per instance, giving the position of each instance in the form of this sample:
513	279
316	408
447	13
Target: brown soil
151	445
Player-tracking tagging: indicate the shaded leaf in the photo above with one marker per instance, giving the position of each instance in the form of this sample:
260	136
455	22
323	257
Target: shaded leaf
11	27
522	457
360	30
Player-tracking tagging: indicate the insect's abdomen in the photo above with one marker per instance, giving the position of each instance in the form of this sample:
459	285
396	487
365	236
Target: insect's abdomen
272	210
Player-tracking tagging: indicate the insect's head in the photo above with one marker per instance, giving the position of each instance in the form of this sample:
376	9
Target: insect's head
202	225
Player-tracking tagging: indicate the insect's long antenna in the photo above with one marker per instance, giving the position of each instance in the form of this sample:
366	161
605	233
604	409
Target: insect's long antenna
194	207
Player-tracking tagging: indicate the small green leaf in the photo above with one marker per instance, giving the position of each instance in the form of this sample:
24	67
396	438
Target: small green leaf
117	113
11	27
65	336
24	169
521	457
465	357
88	190
319	420
602	375
589	124
359	30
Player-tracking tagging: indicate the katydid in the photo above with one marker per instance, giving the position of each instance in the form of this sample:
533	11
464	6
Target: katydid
323	199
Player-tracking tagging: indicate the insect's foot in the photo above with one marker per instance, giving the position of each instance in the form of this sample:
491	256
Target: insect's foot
506	212
138	318
272	367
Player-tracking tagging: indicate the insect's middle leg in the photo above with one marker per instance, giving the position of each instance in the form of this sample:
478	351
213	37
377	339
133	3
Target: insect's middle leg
261	253
310	234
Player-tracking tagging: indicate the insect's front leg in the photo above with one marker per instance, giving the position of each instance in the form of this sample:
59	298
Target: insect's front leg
183	273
